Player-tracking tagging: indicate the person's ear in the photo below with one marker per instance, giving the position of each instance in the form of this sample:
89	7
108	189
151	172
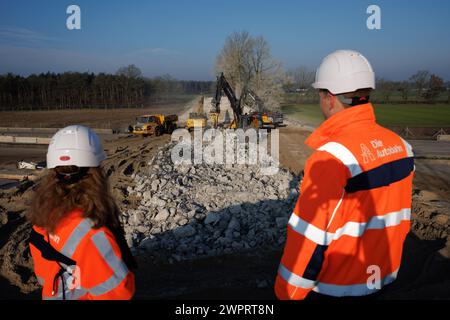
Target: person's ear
332	99
320	95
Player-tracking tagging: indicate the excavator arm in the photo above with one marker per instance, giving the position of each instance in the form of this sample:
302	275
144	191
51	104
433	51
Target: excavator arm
223	86
257	101
264	117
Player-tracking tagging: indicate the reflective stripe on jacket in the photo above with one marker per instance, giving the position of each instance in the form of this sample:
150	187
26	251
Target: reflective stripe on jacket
346	234
100	273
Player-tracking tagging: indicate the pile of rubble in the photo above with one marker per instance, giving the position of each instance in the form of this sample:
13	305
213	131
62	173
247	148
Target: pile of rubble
188	211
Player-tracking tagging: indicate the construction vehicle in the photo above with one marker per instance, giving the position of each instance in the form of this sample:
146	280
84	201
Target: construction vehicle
277	117
264	117
261	120
257	119
274	117
214	118
222	85
197	119
154	124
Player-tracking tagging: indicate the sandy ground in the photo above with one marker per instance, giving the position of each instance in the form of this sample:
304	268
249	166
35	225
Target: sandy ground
10	155
433	175
247	275
293	151
95	118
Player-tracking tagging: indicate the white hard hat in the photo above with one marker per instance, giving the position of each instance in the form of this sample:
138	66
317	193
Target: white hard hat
344	71
75	146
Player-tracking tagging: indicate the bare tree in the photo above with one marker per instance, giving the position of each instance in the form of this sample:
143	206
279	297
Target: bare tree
404	87
420	79
434	88
247	63
130	71
234	62
302	77
386	88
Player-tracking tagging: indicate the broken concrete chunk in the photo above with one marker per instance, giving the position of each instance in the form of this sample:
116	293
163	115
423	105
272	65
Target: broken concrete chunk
162	215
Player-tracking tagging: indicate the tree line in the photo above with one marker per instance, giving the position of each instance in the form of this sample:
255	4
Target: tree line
245	60
421	87
126	88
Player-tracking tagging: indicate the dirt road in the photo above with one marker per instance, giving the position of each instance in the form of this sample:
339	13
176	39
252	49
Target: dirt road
9	155
293	152
431	149
95	118
118	119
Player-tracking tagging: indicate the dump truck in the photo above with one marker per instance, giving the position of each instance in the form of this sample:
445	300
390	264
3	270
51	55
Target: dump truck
154	124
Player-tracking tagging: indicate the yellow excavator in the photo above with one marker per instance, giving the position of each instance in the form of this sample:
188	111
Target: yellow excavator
257	120
222	86
266	119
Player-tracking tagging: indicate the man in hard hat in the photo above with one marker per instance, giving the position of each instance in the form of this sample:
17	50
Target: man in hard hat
346	234
77	241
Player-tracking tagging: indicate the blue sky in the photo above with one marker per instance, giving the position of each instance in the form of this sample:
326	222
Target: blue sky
183	38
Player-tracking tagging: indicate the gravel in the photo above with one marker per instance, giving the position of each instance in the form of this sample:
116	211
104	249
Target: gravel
191	211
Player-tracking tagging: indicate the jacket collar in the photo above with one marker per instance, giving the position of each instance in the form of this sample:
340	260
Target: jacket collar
342	120
75	214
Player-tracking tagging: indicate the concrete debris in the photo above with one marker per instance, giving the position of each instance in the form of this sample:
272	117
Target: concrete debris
185	231
196	210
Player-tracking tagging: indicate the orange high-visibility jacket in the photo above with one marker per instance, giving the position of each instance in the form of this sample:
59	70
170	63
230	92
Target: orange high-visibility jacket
99	272
346	234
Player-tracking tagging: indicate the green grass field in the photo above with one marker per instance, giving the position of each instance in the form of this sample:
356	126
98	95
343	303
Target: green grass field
412	115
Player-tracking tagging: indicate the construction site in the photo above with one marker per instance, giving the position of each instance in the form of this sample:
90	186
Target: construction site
210	220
